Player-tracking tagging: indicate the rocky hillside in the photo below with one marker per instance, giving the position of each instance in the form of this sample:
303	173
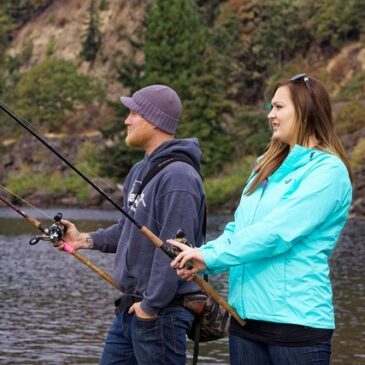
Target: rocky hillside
61	28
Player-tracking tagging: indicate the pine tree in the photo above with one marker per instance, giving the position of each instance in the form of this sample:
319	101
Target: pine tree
174	44
5	27
280	21
178	53
92	39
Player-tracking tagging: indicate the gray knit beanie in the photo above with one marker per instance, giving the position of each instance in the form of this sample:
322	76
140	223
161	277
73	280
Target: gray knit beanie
159	104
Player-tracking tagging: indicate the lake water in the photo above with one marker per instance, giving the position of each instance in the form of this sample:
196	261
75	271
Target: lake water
55	311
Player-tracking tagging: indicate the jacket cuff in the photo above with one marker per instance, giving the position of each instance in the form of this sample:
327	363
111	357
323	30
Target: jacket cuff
210	258
148	309
98	240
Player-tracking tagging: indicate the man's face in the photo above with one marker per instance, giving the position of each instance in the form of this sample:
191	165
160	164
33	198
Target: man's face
139	130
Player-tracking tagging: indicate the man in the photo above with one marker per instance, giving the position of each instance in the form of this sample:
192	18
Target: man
151	325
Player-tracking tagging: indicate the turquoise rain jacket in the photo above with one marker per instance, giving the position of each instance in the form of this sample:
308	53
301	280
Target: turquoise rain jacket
278	246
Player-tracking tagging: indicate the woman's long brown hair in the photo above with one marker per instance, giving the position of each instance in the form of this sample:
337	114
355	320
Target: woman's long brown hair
313	116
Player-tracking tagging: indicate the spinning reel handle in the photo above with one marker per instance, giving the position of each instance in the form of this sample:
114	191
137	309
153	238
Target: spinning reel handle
53	233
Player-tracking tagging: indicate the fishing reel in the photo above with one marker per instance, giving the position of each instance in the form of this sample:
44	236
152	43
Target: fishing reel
173	251
53	233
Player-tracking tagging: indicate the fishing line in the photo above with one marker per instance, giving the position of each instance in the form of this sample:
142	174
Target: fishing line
26	202
37	209
33	206
37	134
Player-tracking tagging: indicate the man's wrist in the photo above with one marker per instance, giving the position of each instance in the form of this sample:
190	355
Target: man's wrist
87	240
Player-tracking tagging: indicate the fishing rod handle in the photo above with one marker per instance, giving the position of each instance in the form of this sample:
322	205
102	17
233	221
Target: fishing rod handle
90	265
151	236
198	280
166	248
207	289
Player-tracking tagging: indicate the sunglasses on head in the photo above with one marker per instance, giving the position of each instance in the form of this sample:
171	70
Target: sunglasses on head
305	79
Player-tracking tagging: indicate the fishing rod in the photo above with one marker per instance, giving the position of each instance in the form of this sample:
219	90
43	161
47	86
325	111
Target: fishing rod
164	246
54	233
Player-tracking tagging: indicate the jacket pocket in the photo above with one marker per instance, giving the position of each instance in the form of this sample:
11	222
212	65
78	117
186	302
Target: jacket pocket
279	277
266	279
236	275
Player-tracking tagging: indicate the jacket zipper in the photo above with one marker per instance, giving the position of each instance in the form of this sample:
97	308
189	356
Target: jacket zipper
264	185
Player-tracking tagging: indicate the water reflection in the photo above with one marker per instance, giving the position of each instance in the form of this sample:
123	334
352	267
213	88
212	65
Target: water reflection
56	311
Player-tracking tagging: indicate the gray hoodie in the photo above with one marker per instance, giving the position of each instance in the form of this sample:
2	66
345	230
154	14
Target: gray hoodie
173	199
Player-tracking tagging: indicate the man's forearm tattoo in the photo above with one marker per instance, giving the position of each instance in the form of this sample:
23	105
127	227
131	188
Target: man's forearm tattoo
89	241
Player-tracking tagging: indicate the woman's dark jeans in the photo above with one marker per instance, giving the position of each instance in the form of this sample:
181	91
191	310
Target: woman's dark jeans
246	352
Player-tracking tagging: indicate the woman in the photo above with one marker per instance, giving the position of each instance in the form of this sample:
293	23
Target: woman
285	228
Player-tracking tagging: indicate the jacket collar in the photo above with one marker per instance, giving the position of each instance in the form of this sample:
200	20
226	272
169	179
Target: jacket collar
297	157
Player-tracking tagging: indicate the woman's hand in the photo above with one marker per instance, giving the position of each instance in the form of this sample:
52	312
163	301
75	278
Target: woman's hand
73	237
187	255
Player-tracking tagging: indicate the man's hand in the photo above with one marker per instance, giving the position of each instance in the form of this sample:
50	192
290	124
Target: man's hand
74	238
139	312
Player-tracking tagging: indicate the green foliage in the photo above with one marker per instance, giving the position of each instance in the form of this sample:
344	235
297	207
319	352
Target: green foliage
334	22
26	182
103	5
116	161
14	63
203	118
50	47
223	191
92	37
350	118
88	159
358	155
241	68
2	153
174	44
130	74
179	53
116	158
252	131
5	28
51	89
354	89
23	10
281	32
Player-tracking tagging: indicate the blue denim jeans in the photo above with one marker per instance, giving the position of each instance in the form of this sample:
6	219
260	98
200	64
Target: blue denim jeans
161	341
246	352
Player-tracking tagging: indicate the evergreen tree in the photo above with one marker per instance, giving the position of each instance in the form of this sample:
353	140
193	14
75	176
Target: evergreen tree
92	38
174	44
233	35
179	53
22	11
282	32
5	27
